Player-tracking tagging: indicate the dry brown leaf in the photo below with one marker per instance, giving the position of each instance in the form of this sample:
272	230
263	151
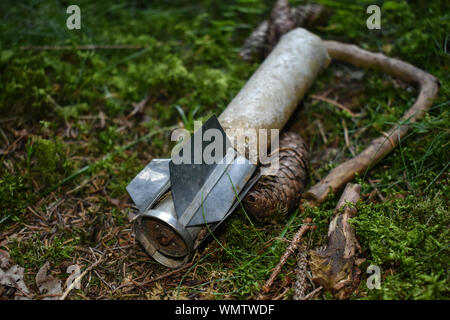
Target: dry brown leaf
48	284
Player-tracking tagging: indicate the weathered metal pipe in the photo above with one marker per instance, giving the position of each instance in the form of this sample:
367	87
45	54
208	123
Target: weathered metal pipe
273	92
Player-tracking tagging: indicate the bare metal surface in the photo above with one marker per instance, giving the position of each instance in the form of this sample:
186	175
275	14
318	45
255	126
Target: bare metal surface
220	199
165	238
173	243
191	174
150	183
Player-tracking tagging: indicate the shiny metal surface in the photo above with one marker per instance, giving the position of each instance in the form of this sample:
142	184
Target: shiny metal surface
150	183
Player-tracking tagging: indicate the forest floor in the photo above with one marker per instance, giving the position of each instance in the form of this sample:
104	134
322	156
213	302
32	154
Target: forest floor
77	125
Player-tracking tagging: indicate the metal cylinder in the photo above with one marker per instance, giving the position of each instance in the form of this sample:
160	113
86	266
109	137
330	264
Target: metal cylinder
158	230
273	92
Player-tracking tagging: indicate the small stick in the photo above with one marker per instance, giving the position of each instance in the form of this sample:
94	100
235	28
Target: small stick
380	196
165	275
168	274
347	140
336	104
281	295
291	248
322	132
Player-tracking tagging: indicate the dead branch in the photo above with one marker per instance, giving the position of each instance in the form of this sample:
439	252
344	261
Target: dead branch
428	89
336	104
168	274
158	278
301	284
333	267
290	249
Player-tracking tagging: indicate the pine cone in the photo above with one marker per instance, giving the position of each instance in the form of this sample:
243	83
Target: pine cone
282	19
280	193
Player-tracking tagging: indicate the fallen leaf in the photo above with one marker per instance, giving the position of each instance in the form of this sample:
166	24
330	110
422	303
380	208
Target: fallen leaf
13	278
4	259
74	271
48	284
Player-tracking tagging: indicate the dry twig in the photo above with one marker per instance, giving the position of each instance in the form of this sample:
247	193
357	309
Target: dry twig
301	283
163	276
290	249
78	279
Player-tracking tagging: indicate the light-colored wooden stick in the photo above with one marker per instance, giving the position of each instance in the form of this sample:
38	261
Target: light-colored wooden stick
428	87
78	279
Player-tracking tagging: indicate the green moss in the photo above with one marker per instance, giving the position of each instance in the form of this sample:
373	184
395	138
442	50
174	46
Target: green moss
46	160
13	197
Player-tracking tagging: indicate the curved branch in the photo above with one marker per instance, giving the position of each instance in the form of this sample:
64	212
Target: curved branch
428	87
